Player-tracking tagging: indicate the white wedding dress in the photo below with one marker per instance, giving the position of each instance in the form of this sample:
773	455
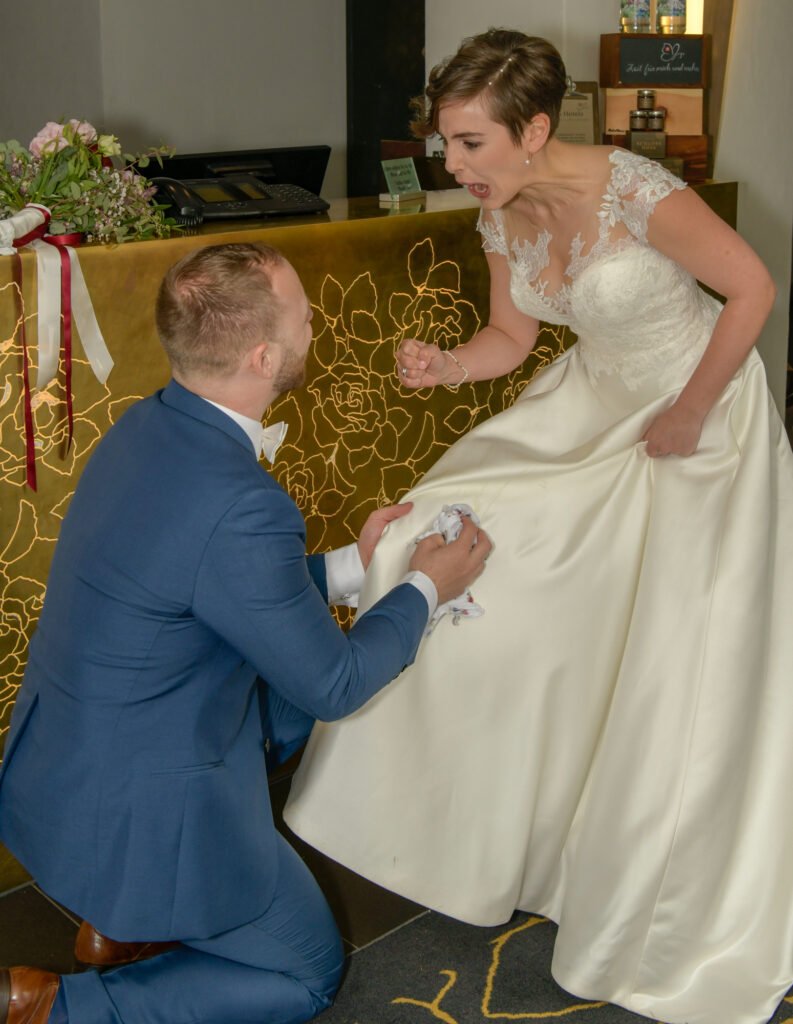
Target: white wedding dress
611	744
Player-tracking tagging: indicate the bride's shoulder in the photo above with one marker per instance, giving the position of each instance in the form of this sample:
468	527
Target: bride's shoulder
490	226
635	175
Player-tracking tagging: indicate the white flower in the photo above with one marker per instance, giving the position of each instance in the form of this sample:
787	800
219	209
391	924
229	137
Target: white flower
108	145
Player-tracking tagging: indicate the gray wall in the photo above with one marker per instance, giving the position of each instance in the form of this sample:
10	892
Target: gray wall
51	64
195	74
756	149
573	26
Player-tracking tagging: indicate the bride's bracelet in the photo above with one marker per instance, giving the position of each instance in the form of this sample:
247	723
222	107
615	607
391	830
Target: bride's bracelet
465	375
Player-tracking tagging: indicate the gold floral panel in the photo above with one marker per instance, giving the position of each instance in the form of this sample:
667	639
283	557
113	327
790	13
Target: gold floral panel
356	438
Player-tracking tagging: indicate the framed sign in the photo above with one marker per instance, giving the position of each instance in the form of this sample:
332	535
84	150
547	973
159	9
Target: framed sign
675	60
400	175
579	120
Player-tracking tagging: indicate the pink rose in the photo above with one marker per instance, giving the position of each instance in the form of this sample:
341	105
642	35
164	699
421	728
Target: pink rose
86	131
49	140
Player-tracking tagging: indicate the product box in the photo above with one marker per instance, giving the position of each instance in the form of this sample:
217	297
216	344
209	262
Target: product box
691	149
652	144
675	164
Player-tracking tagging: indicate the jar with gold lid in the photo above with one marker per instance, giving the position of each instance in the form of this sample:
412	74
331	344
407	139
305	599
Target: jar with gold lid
637	119
645	99
656	119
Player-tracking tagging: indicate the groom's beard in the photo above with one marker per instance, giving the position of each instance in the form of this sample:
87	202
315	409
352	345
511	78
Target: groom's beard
291	374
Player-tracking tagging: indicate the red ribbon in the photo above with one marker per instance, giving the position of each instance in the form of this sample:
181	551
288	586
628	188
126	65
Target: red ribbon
60	242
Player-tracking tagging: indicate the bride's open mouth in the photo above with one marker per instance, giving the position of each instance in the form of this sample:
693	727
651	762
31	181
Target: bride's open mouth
478	189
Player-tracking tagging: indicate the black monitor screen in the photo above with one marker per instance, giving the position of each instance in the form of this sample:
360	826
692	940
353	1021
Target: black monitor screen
213	193
288	165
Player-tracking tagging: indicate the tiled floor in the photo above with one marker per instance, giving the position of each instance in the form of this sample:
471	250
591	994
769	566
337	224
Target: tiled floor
37	932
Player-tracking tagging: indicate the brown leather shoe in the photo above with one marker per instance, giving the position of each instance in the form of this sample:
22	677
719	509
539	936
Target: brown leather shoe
97	950
26	995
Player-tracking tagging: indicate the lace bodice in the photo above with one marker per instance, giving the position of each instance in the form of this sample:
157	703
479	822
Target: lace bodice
636	312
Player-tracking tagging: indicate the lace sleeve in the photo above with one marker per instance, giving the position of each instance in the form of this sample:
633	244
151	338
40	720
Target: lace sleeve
494	237
637	185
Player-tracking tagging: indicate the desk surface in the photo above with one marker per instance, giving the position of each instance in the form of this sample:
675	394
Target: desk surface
721	196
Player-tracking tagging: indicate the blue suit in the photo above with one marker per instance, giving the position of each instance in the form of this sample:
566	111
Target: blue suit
134	786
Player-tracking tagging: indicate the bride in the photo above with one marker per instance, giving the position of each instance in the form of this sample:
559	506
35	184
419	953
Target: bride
609	745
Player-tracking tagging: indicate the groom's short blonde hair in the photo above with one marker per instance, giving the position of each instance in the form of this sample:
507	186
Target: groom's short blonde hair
215	304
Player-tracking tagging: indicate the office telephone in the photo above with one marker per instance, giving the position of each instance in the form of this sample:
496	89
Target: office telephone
194	200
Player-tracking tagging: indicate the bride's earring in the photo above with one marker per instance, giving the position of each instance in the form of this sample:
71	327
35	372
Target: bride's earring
527	161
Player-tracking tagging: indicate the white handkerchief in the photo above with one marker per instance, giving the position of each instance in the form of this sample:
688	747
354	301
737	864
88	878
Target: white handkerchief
448	524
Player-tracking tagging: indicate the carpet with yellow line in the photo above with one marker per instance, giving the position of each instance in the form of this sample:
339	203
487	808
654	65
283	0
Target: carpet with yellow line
437	969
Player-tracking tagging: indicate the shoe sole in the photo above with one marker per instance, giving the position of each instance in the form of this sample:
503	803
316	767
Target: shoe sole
5	994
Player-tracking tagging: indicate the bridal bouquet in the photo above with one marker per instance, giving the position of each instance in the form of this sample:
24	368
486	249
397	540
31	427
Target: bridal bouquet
70	169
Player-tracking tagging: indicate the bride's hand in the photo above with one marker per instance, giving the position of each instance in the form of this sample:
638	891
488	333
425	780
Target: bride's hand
676	431
420	365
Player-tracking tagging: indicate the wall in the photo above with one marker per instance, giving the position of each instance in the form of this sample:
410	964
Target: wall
194	74
51	65
573	26
756	149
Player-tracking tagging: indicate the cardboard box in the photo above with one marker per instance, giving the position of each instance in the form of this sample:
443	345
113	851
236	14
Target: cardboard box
684	110
692	149
675	164
651	144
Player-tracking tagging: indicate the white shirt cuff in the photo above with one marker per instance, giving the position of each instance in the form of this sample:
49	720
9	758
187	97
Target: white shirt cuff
422	582
344	573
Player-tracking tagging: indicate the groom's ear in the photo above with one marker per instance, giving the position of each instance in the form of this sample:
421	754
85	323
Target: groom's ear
260	360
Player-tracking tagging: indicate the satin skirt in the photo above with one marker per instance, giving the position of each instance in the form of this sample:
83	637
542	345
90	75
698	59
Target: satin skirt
611	744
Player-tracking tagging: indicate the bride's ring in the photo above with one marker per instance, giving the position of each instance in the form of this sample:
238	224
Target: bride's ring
404	371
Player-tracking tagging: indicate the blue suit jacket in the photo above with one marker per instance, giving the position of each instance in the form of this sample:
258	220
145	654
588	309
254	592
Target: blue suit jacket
134	786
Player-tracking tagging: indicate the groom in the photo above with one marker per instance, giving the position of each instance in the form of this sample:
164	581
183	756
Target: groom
184	630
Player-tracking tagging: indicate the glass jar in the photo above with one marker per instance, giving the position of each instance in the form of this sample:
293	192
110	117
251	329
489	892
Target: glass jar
656	119
637	119
672	16
635	15
645	99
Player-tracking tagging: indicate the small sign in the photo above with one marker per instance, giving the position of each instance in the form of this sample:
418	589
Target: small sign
578	118
400	176
655	60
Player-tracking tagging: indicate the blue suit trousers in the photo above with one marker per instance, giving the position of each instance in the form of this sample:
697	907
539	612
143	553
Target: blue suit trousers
282	968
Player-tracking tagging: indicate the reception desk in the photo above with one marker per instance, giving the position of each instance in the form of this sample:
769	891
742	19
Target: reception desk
356	439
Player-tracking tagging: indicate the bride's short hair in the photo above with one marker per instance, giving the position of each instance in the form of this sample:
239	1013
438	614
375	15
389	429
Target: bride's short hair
518	76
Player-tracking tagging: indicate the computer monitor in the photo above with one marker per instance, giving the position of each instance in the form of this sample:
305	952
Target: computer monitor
287	165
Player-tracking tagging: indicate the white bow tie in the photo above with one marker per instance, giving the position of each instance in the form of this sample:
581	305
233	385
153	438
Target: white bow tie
272	437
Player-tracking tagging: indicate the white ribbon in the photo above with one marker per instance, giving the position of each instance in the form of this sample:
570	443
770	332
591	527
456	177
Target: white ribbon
20	224
48	270
87	326
48	274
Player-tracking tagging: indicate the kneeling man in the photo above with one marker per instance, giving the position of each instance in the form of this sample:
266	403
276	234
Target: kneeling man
184	630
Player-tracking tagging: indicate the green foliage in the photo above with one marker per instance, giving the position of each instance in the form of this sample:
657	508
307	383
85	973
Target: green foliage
70	169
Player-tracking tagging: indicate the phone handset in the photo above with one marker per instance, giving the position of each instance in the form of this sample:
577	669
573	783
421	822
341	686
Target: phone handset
184	205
